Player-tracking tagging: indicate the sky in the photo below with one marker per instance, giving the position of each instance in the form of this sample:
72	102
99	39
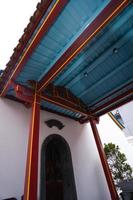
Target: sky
14	17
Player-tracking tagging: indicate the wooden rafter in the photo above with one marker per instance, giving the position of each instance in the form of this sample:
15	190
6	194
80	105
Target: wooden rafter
116	105
114	93
64	94
28	105
109	106
64	98
116	101
58	96
65	104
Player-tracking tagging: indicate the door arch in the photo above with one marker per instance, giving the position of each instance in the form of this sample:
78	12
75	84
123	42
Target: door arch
57	177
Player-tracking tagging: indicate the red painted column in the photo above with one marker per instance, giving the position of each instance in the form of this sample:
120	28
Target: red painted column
31	178
109	179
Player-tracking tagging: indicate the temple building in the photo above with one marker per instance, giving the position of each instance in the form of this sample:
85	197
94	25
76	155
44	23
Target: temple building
72	65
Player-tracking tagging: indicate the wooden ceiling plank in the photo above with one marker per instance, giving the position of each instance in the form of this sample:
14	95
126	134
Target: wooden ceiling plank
108	13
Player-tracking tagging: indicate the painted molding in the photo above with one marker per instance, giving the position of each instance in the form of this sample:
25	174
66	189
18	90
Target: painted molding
54	122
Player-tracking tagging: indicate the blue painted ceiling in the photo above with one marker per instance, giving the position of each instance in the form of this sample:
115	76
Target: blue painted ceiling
102	67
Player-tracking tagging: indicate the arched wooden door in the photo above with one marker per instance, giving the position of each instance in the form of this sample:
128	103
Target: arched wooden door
57	178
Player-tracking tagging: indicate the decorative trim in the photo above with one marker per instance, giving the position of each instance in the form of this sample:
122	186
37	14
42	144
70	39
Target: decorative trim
116	121
65	94
54	122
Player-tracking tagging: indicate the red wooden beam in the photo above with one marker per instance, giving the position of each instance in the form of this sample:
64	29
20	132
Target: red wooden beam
26	94
113	101
65	104
31	178
115	106
109	107
109	179
27	105
51	17
111	94
65	94
22	93
108	13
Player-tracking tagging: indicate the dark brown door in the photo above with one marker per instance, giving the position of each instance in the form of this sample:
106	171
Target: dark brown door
57	178
54	178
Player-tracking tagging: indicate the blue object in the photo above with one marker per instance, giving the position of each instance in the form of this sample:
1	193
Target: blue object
102	67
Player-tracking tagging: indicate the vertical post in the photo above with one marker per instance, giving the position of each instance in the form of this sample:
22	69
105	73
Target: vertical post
109	179
31	178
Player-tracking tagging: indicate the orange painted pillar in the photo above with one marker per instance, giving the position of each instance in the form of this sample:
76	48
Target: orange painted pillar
109	179
31	178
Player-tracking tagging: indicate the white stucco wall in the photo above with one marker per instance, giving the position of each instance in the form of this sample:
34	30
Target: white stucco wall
89	178
13	141
14	122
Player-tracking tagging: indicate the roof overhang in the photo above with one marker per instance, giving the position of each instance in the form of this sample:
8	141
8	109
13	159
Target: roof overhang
85	55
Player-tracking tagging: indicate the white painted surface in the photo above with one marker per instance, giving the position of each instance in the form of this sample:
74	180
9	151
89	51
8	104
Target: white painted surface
14	122
13	142
110	132
89	177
